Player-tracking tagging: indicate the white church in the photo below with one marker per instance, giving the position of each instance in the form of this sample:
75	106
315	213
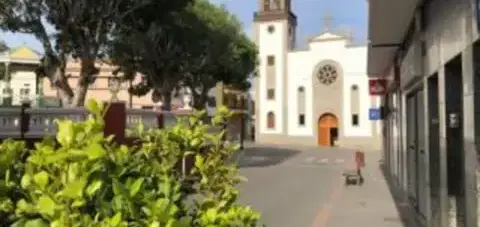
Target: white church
315	96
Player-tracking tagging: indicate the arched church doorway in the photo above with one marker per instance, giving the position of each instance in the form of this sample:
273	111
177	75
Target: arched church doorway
327	130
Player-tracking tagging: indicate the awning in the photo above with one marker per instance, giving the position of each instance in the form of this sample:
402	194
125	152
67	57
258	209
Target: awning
388	22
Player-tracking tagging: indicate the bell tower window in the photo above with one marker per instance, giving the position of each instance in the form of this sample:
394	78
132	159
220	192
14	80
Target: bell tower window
266	5
277	11
275	5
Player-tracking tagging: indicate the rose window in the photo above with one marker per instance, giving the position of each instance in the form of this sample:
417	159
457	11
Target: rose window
327	74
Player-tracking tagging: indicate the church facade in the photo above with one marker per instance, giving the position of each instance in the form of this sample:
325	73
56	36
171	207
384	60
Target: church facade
317	96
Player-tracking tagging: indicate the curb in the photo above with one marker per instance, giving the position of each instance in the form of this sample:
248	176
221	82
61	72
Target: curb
410	217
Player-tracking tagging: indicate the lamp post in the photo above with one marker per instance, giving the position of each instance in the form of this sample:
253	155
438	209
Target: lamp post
221	102
242	122
7	94
6	91
130	95
114	90
39	99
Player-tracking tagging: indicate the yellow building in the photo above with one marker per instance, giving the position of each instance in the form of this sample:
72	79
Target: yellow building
19	81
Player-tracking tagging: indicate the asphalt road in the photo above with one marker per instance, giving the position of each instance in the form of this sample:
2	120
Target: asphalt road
304	187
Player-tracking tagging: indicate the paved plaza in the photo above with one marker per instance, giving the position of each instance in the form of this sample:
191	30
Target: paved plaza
304	187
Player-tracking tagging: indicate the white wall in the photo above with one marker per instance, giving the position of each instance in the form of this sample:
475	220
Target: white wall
355	66
21	79
328	46
300	73
271	44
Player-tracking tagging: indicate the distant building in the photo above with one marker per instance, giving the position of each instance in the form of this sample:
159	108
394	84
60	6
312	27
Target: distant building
318	96
21	84
105	83
20	81
102	88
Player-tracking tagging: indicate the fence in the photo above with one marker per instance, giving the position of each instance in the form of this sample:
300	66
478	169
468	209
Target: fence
35	123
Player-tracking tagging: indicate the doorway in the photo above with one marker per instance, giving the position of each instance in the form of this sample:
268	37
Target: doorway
327	130
454	140
476	106
416	150
434	149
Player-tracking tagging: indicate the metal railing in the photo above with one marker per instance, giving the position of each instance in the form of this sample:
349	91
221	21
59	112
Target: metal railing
42	120
10	119
149	118
20	122
26	122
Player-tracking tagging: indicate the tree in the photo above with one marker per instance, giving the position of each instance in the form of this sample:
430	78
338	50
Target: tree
3	46
203	46
82	31
154	50
225	54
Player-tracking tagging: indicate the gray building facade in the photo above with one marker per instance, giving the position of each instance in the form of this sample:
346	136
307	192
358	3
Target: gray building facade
429	51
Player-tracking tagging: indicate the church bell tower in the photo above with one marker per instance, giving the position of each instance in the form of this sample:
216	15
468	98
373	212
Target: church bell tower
274	33
278	11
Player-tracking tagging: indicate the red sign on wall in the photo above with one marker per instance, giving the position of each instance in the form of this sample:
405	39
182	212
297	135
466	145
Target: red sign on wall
377	86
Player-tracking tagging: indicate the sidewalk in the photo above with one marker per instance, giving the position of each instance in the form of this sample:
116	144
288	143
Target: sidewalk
369	205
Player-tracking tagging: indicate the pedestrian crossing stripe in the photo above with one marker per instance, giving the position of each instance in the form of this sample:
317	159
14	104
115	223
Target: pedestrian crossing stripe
323	160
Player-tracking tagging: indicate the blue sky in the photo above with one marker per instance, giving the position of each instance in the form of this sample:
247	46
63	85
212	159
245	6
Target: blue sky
347	14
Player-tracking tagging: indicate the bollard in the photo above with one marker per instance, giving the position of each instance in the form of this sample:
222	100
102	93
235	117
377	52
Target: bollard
116	121
360	159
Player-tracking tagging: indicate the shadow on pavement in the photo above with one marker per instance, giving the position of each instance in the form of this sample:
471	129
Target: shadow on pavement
265	156
406	214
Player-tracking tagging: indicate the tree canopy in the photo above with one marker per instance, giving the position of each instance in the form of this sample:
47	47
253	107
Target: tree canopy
204	45
81	30
174	44
3	46
224	53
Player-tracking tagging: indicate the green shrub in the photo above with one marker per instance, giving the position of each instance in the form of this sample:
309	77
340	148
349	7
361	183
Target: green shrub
84	179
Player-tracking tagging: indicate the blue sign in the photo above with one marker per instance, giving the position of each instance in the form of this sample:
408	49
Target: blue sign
374	114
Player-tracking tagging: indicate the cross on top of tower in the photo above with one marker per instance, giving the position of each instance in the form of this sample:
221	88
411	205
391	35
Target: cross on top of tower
327	21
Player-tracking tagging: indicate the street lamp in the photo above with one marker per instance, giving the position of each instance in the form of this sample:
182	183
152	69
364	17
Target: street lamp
114	88
7	93
242	122
221	98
